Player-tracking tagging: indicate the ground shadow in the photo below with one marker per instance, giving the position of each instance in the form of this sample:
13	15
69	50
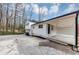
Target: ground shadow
64	48
31	50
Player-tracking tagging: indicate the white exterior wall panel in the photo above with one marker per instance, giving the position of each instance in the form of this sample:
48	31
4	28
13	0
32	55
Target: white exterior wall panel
65	29
40	31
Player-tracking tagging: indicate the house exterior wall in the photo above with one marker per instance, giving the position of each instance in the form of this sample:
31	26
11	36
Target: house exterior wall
52	32
40	31
28	26
66	26
64	29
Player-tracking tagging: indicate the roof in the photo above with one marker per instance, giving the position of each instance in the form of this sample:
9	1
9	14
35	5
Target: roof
58	17
32	21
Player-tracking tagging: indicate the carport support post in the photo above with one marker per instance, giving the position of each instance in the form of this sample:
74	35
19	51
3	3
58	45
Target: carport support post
75	48
76	33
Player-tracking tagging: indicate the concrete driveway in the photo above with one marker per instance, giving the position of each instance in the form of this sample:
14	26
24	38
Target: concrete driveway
28	45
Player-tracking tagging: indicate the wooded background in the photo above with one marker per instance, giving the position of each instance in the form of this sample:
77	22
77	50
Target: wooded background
13	17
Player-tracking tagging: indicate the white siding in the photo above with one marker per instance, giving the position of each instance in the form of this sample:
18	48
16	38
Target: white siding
40	31
28	26
65	29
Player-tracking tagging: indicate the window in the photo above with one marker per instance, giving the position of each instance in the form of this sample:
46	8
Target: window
33	27
40	26
51	27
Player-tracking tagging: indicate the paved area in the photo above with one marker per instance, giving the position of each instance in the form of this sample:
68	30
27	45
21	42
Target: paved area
28	45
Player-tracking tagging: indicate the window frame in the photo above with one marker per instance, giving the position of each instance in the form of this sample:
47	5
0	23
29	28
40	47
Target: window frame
40	26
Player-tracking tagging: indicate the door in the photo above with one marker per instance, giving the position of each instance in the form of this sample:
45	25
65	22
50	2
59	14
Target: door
48	28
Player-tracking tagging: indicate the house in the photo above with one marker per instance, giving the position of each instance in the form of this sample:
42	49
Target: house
63	28
28	27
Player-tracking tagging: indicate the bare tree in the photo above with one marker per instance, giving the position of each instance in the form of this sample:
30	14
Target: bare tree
39	13
44	15
7	17
0	15
23	18
15	18
31	8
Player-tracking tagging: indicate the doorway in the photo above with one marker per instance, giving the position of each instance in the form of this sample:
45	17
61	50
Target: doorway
48	28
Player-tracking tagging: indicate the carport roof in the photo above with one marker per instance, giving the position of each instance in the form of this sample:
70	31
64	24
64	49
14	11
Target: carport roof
58	17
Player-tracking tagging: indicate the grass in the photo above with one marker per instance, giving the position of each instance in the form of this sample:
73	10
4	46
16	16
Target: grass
10	33
18	30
